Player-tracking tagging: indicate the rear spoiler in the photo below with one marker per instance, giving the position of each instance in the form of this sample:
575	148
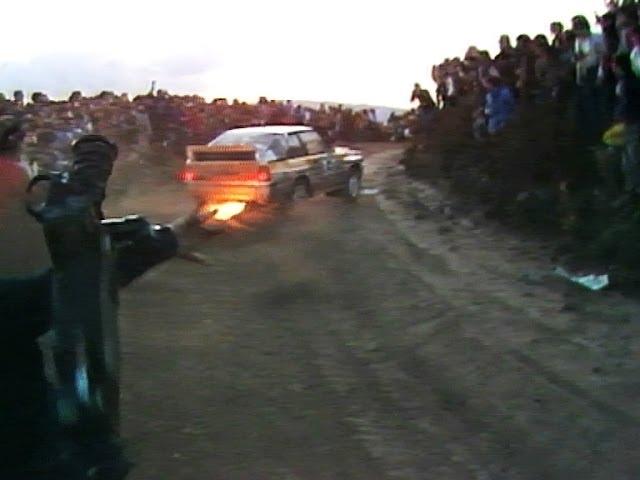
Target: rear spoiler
216	153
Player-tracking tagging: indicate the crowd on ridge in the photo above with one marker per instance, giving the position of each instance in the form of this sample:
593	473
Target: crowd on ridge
170	121
596	72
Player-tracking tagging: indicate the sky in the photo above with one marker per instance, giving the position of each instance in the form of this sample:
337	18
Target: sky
368	52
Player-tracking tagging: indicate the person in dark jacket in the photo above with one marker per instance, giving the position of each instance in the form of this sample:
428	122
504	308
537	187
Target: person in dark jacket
426	107
506	61
525	67
628	112
557	38
31	444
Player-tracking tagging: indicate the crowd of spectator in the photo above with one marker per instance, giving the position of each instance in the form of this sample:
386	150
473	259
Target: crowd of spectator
169	121
594	70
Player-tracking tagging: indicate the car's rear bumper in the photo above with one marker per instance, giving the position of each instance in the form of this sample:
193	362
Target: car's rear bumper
215	193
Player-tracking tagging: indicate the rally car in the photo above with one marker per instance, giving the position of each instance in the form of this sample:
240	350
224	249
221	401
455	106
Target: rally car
270	164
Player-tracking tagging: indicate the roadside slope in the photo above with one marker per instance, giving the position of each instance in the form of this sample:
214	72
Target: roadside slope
555	364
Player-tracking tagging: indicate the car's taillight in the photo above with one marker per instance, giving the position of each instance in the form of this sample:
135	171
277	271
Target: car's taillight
264	174
186	176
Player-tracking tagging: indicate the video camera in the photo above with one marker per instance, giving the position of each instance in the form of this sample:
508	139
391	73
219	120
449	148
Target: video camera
84	185
72	213
92	257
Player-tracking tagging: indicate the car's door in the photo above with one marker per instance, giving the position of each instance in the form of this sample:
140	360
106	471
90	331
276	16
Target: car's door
338	170
322	162
296	164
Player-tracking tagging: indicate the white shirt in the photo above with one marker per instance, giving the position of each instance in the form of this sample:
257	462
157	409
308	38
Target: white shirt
589	51
451	89
635	60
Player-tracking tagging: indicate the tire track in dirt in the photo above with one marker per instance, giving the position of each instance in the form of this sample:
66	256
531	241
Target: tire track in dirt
584	422
396	415
343	351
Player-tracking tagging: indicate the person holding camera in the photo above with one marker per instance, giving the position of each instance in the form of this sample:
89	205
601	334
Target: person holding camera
36	441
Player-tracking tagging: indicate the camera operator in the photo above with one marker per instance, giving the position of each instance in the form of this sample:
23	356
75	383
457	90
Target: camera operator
32	444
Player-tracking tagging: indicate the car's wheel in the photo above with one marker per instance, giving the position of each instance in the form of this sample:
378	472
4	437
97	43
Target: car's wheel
353	186
301	189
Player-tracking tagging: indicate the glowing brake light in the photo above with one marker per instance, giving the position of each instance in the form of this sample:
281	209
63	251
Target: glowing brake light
186	176
264	174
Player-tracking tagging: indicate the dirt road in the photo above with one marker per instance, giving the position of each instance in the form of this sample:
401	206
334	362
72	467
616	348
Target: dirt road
278	361
350	341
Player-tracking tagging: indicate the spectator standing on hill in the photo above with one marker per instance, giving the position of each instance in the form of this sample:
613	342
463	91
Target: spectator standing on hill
75	98
542	85
557	37
589	49
463	78
626	18
634	45
499	104
612	5
505	61
628	112
39	98
298	114
525	67
552	74
437	79
566	50
507	52
18	98
450	85
610	35
607	80
485	65
421	95
427	106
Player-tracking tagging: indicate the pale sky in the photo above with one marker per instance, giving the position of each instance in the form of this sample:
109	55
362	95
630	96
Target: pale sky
333	50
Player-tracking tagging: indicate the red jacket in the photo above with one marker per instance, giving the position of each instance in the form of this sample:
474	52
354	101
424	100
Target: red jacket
13	182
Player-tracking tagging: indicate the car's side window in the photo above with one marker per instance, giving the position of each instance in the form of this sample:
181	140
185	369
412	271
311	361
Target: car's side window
294	146
313	142
277	148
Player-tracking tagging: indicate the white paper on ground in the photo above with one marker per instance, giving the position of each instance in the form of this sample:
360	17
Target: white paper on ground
592	282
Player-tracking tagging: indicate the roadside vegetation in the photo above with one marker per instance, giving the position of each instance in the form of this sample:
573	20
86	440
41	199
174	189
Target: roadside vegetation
536	176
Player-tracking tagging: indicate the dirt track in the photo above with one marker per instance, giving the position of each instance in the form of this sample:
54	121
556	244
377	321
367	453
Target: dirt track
340	341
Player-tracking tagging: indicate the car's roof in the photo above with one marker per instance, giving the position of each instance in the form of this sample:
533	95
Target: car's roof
273	129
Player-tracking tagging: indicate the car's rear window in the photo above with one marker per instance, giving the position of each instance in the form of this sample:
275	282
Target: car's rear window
313	142
268	146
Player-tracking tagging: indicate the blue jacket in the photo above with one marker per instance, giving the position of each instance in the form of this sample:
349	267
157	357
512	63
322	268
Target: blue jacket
499	107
